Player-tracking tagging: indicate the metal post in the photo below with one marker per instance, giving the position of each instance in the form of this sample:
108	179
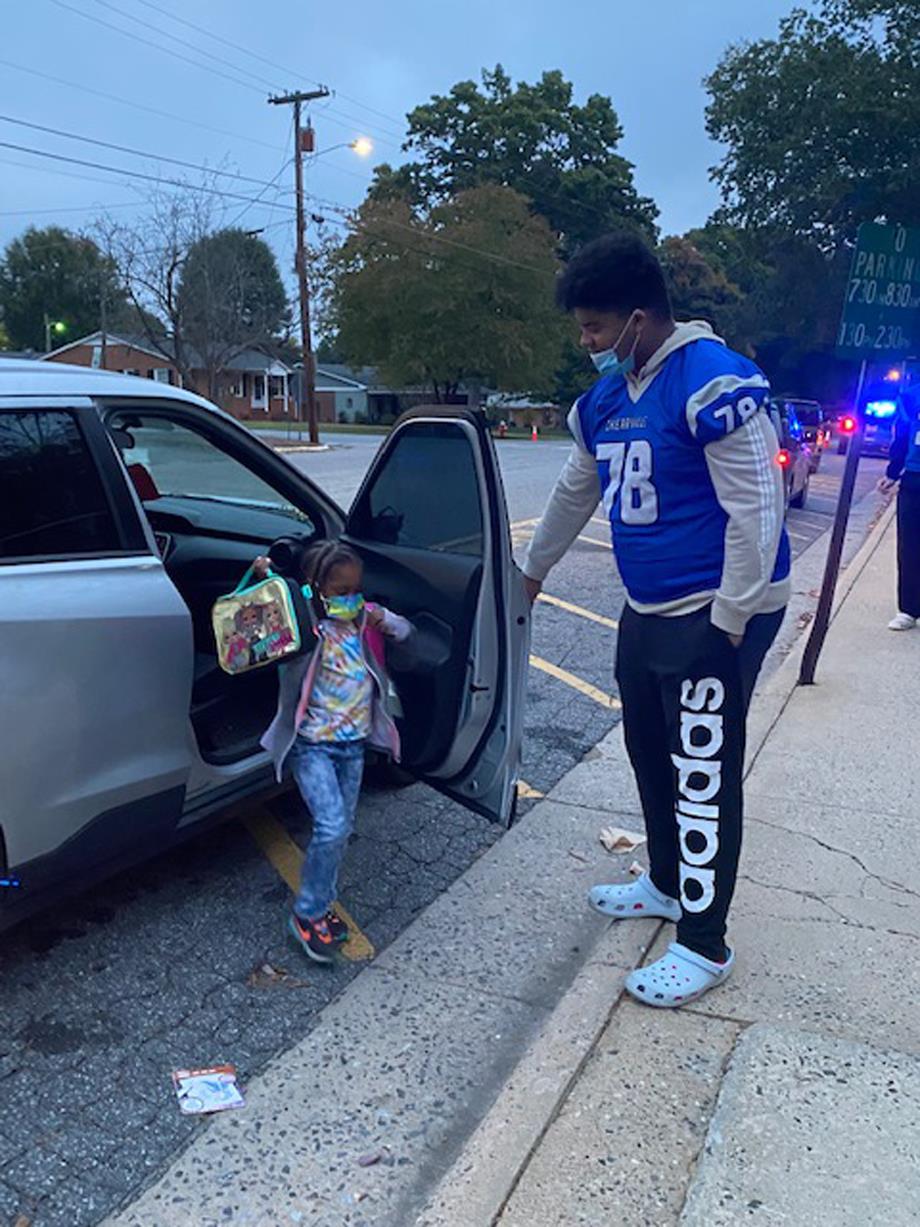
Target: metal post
835	550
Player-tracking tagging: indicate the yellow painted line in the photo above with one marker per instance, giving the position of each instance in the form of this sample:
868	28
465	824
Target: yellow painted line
578	609
598	520
604	545
585	688
525	792
524	524
287	856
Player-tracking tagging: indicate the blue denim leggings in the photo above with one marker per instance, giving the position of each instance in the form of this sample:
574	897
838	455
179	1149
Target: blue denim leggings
328	775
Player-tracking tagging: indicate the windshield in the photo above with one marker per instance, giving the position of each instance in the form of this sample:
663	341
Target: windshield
808	414
172	461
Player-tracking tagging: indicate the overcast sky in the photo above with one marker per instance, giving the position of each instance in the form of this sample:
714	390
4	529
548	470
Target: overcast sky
381	59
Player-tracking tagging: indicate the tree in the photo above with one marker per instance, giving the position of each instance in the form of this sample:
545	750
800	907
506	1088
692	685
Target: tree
55	273
201	294
419	297
230	298
699	289
820	123
531	138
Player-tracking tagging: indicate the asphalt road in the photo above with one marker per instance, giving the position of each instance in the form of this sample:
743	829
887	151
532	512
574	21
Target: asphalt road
164	966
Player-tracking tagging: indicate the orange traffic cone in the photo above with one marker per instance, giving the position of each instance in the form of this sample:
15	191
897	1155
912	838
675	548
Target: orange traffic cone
534	434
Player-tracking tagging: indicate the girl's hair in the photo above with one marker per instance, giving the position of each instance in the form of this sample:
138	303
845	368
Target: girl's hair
317	563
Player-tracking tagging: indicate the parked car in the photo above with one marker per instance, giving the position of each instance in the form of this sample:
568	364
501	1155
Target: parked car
795	454
816	429
126	508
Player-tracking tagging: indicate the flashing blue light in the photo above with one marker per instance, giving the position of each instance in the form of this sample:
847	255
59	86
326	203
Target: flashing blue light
9	882
881	409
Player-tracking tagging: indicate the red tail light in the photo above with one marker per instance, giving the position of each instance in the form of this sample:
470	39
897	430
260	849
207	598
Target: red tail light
848	425
783	458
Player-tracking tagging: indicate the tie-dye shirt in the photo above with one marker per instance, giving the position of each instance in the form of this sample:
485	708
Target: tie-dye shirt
340	701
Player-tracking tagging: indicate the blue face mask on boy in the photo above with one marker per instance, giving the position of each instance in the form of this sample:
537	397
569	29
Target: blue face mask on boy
344	608
608	361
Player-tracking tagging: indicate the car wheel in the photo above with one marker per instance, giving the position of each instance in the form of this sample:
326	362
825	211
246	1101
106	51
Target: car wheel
798	500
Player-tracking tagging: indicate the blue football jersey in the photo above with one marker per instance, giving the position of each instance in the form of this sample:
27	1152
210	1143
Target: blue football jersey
667	524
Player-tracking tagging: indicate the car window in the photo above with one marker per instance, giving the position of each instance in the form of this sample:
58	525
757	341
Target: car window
808	415
795	428
426	495
52	500
167	459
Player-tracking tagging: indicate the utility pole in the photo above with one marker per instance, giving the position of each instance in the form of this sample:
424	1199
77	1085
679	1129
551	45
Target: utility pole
309	365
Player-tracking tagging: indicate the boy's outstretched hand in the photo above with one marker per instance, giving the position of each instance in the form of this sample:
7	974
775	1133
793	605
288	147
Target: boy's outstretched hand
262	566
375	618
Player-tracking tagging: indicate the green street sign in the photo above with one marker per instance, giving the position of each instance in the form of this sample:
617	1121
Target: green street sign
881	307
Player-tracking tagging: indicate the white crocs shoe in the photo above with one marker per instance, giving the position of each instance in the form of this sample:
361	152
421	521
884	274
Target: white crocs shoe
633	901
681	976
902	622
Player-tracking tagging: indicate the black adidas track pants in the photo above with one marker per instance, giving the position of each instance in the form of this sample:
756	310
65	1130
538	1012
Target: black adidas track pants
685	691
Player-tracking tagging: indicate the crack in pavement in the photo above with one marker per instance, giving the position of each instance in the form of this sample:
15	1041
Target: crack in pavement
842	917
899	887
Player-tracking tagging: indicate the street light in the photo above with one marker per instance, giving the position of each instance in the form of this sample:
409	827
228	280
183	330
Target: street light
363	146
58	327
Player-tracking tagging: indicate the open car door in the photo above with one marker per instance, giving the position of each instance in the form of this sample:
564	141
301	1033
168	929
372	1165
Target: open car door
431	524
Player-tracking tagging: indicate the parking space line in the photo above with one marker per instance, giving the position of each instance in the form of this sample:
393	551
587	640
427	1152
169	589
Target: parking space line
578	609
286	856
527	793
604	545
583	687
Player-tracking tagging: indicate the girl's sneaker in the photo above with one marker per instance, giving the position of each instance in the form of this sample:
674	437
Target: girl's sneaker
337	926
314	937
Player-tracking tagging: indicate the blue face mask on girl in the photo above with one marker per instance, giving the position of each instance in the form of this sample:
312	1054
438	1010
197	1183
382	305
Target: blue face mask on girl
344	608
608	361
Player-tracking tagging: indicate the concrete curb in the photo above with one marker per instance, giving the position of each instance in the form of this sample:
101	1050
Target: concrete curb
485	1176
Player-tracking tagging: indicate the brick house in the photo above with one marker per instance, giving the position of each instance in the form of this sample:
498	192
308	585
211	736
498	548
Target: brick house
255	385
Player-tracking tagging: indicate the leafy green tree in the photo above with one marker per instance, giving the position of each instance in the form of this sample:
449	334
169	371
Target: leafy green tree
230	298
417	296
698	288
532	138
821	122
51	271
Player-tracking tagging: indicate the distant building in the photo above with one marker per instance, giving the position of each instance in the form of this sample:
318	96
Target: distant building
524	411
253	384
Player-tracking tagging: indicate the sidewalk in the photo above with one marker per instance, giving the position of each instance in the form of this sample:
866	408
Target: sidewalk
485	1069
792	1094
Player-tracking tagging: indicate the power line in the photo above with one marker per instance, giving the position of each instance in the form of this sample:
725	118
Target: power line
263	60
139	153
100	21
171	50
132	174
139	21
129	102
336	206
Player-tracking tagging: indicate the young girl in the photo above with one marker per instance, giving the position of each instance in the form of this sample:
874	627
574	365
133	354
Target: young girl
332	701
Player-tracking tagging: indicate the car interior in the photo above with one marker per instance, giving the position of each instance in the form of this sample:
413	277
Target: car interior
213	510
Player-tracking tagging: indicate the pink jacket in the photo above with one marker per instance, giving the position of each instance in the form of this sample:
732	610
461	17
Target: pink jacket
296	680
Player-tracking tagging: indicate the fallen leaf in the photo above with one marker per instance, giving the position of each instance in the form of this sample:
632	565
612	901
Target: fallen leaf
616	839
22	1221
636	869
269	976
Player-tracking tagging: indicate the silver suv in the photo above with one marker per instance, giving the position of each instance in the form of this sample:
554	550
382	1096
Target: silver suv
126	508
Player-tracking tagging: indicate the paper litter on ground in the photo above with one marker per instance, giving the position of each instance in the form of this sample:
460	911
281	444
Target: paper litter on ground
616	839
207	1090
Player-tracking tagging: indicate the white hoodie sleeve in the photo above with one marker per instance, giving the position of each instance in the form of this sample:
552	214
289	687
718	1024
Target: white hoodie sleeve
571	504
749	486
